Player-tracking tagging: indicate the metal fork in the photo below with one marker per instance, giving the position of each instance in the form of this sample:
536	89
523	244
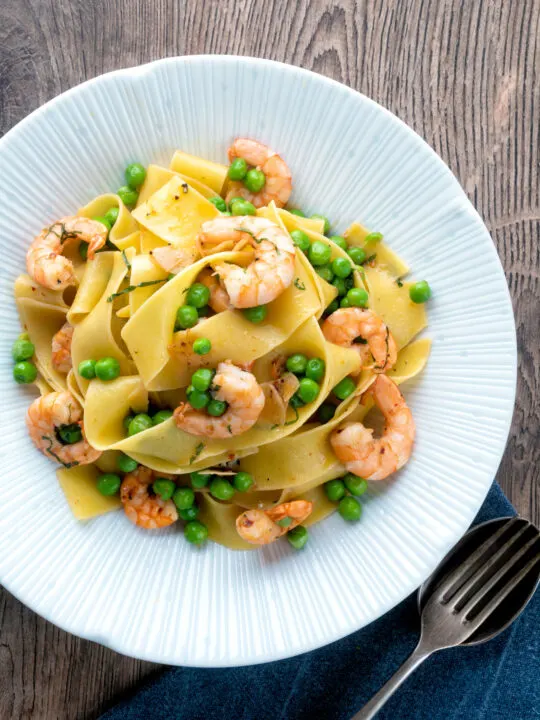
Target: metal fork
479	588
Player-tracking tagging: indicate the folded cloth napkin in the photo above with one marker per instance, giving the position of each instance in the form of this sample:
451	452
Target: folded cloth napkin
500	679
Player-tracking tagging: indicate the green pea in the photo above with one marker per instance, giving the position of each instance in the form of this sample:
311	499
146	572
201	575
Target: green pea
344	388
420	292
296	363
308	390
341	267
87	369
216	408
199	480
301	240
140	423
126	464
255	180
69	434
319	253
242	207
186	317
164	488
202	378
344	302
326	412
221	489
109	483
373	237
238	169
296	401
112	215
219	203
339	241
83	250
335	490
128	196
334	305
103	220
357	255
298	537
107	368
315	369
195	532
24	372
326	228
161	416
354	484
297	212
256	314
326	272
339	284
202	346
135	174
183	497
226	213
242	481
189	390
357	297
22	350
126	421
198	295
349	508
199	399
189	513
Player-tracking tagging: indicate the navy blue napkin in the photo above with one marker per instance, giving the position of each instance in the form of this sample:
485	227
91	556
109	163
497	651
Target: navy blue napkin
500	679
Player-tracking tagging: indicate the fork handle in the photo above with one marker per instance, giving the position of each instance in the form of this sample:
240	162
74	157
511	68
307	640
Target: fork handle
388	689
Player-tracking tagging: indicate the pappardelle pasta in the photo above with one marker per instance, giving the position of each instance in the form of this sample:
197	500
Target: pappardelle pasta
205	353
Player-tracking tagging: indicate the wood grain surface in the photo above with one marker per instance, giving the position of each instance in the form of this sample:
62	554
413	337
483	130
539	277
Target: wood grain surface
464	75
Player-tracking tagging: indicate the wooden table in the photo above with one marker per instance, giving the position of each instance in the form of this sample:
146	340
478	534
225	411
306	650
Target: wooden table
464	75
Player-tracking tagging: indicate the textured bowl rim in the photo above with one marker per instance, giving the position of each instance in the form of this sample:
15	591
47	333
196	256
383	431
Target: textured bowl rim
466	205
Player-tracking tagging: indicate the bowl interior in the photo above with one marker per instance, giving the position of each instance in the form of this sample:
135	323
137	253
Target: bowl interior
152	595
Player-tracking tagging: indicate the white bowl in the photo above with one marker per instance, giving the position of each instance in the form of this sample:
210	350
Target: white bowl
152	595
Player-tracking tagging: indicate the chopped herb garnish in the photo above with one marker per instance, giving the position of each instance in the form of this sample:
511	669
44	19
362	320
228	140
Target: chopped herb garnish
185	187
291	422
359	341
198	450
131	288
124	257
284	522
229	429
55	456
399	283
248	232
299	284
370	259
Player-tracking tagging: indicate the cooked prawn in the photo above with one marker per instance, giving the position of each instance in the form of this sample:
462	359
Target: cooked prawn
61	348
44	260
377	458
348	326
260	527
145	510
53	412
278	185
240	390
272	270
219	298
173	259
